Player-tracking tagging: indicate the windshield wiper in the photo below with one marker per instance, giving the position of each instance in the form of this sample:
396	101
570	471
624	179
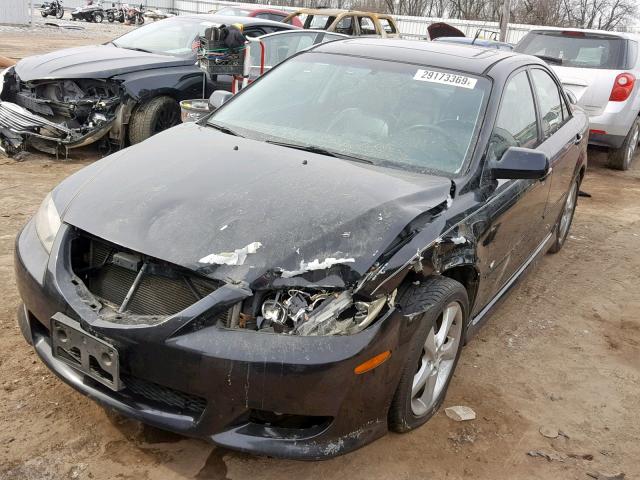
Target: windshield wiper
320	151
224	129
547	58
138	49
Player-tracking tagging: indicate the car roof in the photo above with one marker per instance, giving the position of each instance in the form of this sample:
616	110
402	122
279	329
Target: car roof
229	19
627	35
334	12
472	59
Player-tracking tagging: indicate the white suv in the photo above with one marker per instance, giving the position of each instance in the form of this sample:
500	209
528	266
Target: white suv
602	70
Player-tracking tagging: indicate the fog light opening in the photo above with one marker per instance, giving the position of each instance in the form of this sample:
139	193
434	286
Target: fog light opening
372	363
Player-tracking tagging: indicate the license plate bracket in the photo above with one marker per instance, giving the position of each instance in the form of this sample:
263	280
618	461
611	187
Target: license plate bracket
84	352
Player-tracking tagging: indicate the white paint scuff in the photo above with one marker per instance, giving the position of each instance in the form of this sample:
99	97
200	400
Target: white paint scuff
237	257
315	265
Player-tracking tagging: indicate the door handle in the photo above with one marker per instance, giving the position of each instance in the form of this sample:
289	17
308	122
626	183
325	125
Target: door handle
578	139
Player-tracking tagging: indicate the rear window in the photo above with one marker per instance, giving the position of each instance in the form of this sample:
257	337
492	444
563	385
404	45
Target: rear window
577	49
387	26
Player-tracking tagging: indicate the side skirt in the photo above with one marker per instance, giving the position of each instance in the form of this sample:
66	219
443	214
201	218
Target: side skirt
484	314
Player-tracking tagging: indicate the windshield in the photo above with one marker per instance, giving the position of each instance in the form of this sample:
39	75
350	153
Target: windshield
173	36
575	49
392	114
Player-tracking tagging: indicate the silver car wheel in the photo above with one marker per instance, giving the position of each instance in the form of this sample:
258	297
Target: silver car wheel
567	213
633	143
437	360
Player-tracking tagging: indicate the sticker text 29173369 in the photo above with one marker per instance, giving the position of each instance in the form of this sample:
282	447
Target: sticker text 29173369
445	78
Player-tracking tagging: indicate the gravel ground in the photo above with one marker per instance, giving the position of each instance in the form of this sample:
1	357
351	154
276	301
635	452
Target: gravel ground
560	352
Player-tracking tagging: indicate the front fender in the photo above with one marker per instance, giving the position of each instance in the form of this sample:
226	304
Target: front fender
181	83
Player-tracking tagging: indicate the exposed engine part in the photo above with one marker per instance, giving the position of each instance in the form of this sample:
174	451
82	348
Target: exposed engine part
317	312
57	115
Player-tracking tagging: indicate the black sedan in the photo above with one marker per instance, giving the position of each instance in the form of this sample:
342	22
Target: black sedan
118	93
297	274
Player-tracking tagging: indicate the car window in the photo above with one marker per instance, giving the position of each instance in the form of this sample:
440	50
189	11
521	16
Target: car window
345	25
365	108
367	27
576	49
319	22
516	124
257	31
173	36
387	26
278	48
549	101
236	12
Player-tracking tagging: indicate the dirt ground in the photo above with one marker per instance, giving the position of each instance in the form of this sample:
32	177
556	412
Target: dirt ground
563	351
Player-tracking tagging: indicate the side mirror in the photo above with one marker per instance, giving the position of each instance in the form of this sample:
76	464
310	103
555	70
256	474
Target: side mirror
573	100
520	164
219	97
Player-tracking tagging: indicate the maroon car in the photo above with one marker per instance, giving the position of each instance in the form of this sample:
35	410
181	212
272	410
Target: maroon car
264	13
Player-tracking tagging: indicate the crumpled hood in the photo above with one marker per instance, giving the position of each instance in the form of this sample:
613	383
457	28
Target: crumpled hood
188	193
92	61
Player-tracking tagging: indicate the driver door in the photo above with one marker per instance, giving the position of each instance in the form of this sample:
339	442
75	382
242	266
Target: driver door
515	208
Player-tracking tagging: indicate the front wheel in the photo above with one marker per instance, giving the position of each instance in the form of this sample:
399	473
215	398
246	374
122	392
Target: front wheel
153	117
60	13
443	308
140	20
110	17
566	217
621	158
44	14
98	17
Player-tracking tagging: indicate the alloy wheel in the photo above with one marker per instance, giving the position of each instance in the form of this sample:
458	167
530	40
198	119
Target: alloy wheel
633	143
437	360
567	213
167	118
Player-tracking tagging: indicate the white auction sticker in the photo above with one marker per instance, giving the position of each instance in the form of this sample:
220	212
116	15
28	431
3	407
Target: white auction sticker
445	78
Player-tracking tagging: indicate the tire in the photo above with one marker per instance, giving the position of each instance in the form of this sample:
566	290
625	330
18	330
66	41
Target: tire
153	117
110	17
430	299
621	158
98	17
60	13
44	14
566	217
140	20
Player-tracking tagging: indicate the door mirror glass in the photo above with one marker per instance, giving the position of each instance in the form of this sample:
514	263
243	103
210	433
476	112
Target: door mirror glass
219	97
519	164
573	100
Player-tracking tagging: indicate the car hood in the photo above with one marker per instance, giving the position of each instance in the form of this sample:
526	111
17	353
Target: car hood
193	193
92	61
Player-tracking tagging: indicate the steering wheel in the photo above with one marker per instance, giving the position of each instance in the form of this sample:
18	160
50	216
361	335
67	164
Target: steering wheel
434	141
441	137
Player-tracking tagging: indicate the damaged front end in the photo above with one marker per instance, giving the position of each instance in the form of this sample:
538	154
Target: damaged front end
55	116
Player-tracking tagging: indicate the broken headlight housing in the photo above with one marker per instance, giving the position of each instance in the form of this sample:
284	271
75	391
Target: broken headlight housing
47	220
318	312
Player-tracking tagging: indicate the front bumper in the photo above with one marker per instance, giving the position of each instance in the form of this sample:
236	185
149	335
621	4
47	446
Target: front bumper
245	379
19	126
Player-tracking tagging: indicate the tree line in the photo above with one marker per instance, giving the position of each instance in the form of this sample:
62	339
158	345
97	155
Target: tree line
595	14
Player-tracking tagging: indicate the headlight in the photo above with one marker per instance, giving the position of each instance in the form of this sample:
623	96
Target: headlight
319	312
47	222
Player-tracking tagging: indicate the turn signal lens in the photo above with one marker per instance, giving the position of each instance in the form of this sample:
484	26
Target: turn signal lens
372	363
622	87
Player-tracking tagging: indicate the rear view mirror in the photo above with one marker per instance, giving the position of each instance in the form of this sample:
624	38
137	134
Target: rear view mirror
520	163
573	100
218	98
